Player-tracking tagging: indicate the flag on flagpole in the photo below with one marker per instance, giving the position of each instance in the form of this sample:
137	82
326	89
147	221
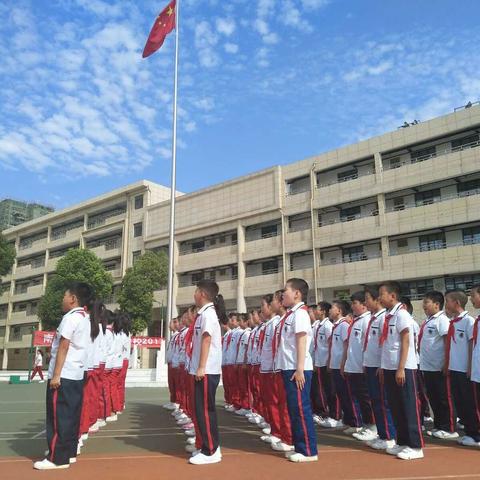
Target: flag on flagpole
162	26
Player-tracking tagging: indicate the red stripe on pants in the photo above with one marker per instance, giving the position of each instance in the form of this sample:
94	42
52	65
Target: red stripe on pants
55	435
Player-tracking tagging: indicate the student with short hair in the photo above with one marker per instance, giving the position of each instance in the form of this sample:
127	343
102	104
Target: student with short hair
66	378
295	362
372	355
457	359
474	357
205	366
171	405
399	372
431	346
352	368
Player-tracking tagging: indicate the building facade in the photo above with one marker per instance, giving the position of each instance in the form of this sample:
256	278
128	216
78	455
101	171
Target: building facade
14	212
400	206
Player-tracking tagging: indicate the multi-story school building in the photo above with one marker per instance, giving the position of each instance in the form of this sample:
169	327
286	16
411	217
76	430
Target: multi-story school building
403	206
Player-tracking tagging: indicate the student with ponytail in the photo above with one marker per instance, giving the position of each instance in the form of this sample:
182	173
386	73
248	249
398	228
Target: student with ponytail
205	352
126	351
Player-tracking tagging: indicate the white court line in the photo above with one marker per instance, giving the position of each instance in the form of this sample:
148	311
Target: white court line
38	434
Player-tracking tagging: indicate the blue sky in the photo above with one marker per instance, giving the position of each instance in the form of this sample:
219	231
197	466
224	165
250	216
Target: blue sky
262	82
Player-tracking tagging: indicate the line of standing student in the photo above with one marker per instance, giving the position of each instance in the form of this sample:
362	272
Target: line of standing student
86	376
363	366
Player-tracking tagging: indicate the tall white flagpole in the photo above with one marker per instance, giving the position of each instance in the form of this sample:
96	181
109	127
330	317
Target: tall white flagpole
171	245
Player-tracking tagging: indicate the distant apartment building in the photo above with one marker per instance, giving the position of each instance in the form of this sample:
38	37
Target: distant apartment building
14	212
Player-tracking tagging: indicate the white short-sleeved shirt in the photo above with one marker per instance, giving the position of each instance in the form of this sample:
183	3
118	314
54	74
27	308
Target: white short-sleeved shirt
321	342
176	351
225	337
398	320
109	348
475	376
38	360
75	327
372	354
182	352
314	331
432	342
117	350
339	335
231	352
207	322
170	347
298	321
256	345
250	347
242	346
358	328
459	343
266	355
416	332
127	346
99	348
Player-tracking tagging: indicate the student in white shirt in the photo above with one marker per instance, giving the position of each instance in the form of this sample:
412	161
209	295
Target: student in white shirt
66	377
372	353
431	346
295	362
399	373
171	405
339	314
352	367
228	374
109	342
474	357
37	366
205	367
457	358
241	367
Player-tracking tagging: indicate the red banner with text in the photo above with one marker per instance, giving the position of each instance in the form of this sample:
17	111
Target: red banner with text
42	338
147	342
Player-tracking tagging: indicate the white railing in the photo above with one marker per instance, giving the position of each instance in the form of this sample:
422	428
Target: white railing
350	218
430	201
440	153
347	179
431	246
354	258
192	283
268	271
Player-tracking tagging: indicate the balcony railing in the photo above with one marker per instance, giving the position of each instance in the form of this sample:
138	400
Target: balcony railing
353	258
189	251
267	271
423	158
430	201
192	283
349	218
354	176
431	246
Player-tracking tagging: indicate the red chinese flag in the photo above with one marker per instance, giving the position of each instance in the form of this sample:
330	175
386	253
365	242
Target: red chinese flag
163	25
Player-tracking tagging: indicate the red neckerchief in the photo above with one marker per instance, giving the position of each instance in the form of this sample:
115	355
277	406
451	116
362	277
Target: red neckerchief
320	325
239	343
277	333
282	323
335	326
372	319
388	316
451	336
475	330
422	328
189	337
350	328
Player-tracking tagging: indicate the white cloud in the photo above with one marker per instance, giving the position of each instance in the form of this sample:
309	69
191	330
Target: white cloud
225	26
231	47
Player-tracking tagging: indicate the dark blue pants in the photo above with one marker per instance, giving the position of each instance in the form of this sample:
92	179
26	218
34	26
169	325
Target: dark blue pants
300	413
440	397
358	386
64	406
464	395
351	409
378	397
325	402
405	407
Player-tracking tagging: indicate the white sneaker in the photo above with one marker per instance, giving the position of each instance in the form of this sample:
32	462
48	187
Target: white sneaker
181	416
101	423
318	420
432	431
241	412
427	419
230	408
365	435
201	459
395	450
255	420
94	428
300	458
189	433
352	430
190	441
467	441
269	439
263	425
177	411
72	460
380	444
188	426
112	418
282	447
192	449
184	421
79	449
84	437
410	453
442	434
331	423
48	465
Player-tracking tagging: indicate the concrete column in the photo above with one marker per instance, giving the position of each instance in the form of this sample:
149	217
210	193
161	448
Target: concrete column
241	304
378	167
5	351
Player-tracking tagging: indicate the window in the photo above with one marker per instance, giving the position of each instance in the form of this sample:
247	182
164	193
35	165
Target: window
417	289
427	197
299	222
298	185
402	242
347	175
471	187
196	277
349	214
465	142
269	231
138	229
471	236
463	282
15	334
222	239
395	163
423	154
398	204
234	238
270	266
434	241
136	255
138	202
353	254
198	246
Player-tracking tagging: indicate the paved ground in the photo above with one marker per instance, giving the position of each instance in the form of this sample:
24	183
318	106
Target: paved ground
145	443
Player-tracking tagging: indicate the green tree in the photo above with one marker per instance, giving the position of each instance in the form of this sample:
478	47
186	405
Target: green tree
149	273
7	255
76	266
